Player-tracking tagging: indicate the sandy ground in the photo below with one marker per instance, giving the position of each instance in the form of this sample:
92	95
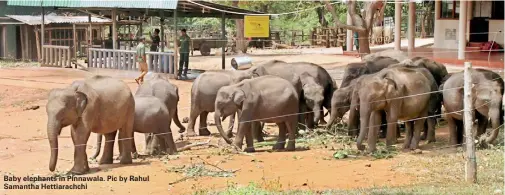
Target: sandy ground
24	149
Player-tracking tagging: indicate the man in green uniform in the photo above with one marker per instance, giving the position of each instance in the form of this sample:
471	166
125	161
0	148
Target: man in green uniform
141	59
184	41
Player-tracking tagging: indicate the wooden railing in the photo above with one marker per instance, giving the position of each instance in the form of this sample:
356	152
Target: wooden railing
56	56
159	62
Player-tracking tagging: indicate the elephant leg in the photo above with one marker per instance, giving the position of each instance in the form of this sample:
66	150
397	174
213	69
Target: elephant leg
375	120
453	130
302	117
154	145
230	126
408	134
416	137
482	122
249	138
242	130
161	143
321	119
281	140
291	130
169	140
80	137
134	148
431	122
460	132
194	113
125	139
425	131
149	139
175	118
203	131
309	118
257	131
98	145
392	127
108	148
383	125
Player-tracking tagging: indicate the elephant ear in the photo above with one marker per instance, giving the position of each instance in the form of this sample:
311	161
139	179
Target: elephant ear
239	97
81	102
391	89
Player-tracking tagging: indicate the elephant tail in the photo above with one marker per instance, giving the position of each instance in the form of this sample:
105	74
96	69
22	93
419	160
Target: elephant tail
98	146
178	122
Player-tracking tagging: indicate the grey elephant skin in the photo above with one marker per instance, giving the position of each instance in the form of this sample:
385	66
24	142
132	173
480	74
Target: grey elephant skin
203	96
99	104
268	99
385	91
151	117
168	93
356	70
487	104
316	83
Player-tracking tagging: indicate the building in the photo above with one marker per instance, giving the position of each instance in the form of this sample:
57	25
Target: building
10	29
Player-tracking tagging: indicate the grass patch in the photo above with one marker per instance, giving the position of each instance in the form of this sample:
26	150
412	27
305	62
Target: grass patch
201	169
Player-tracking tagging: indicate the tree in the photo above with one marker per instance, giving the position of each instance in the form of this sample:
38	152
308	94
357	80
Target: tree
362	23
241	43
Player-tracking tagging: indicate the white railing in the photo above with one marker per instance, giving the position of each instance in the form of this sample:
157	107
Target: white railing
56	56
160	62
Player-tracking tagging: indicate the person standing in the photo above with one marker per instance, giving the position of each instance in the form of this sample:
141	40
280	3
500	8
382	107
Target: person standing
141	59
155	40
184	41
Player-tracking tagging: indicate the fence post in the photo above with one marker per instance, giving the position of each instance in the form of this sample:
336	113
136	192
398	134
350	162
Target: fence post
471	161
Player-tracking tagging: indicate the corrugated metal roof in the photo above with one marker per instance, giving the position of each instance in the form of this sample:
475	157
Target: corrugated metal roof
48	19
152	4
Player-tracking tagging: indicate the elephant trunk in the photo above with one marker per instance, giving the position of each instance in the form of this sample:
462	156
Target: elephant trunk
364	125
317	114
333	116
98	146
53	130
217	119
495	116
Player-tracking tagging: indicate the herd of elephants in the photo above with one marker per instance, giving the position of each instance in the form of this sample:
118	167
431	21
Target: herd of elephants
378	92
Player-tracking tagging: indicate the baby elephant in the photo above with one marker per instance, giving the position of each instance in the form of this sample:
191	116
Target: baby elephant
268	99
151	116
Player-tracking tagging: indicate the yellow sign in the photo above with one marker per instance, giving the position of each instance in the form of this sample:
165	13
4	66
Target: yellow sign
256	26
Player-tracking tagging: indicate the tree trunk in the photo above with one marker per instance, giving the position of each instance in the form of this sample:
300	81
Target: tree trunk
364	42
241	43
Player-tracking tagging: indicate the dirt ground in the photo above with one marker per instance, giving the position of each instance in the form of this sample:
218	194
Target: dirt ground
24	149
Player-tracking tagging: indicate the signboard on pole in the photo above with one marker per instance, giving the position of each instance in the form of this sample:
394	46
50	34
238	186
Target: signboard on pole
256	26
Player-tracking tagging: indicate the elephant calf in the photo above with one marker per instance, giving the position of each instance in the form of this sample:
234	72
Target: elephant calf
488	93
268	99
99	104
203	95
150	117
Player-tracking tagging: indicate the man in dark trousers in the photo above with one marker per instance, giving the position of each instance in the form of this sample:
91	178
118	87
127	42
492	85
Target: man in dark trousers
184	41
155	40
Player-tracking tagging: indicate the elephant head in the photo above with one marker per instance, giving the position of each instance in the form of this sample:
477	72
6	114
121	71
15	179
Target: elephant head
313	94
353	71
229	100
340	103
64	107
489	100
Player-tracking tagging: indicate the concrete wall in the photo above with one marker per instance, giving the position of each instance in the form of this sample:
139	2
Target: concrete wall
444	28
446	34
448	42
495	26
